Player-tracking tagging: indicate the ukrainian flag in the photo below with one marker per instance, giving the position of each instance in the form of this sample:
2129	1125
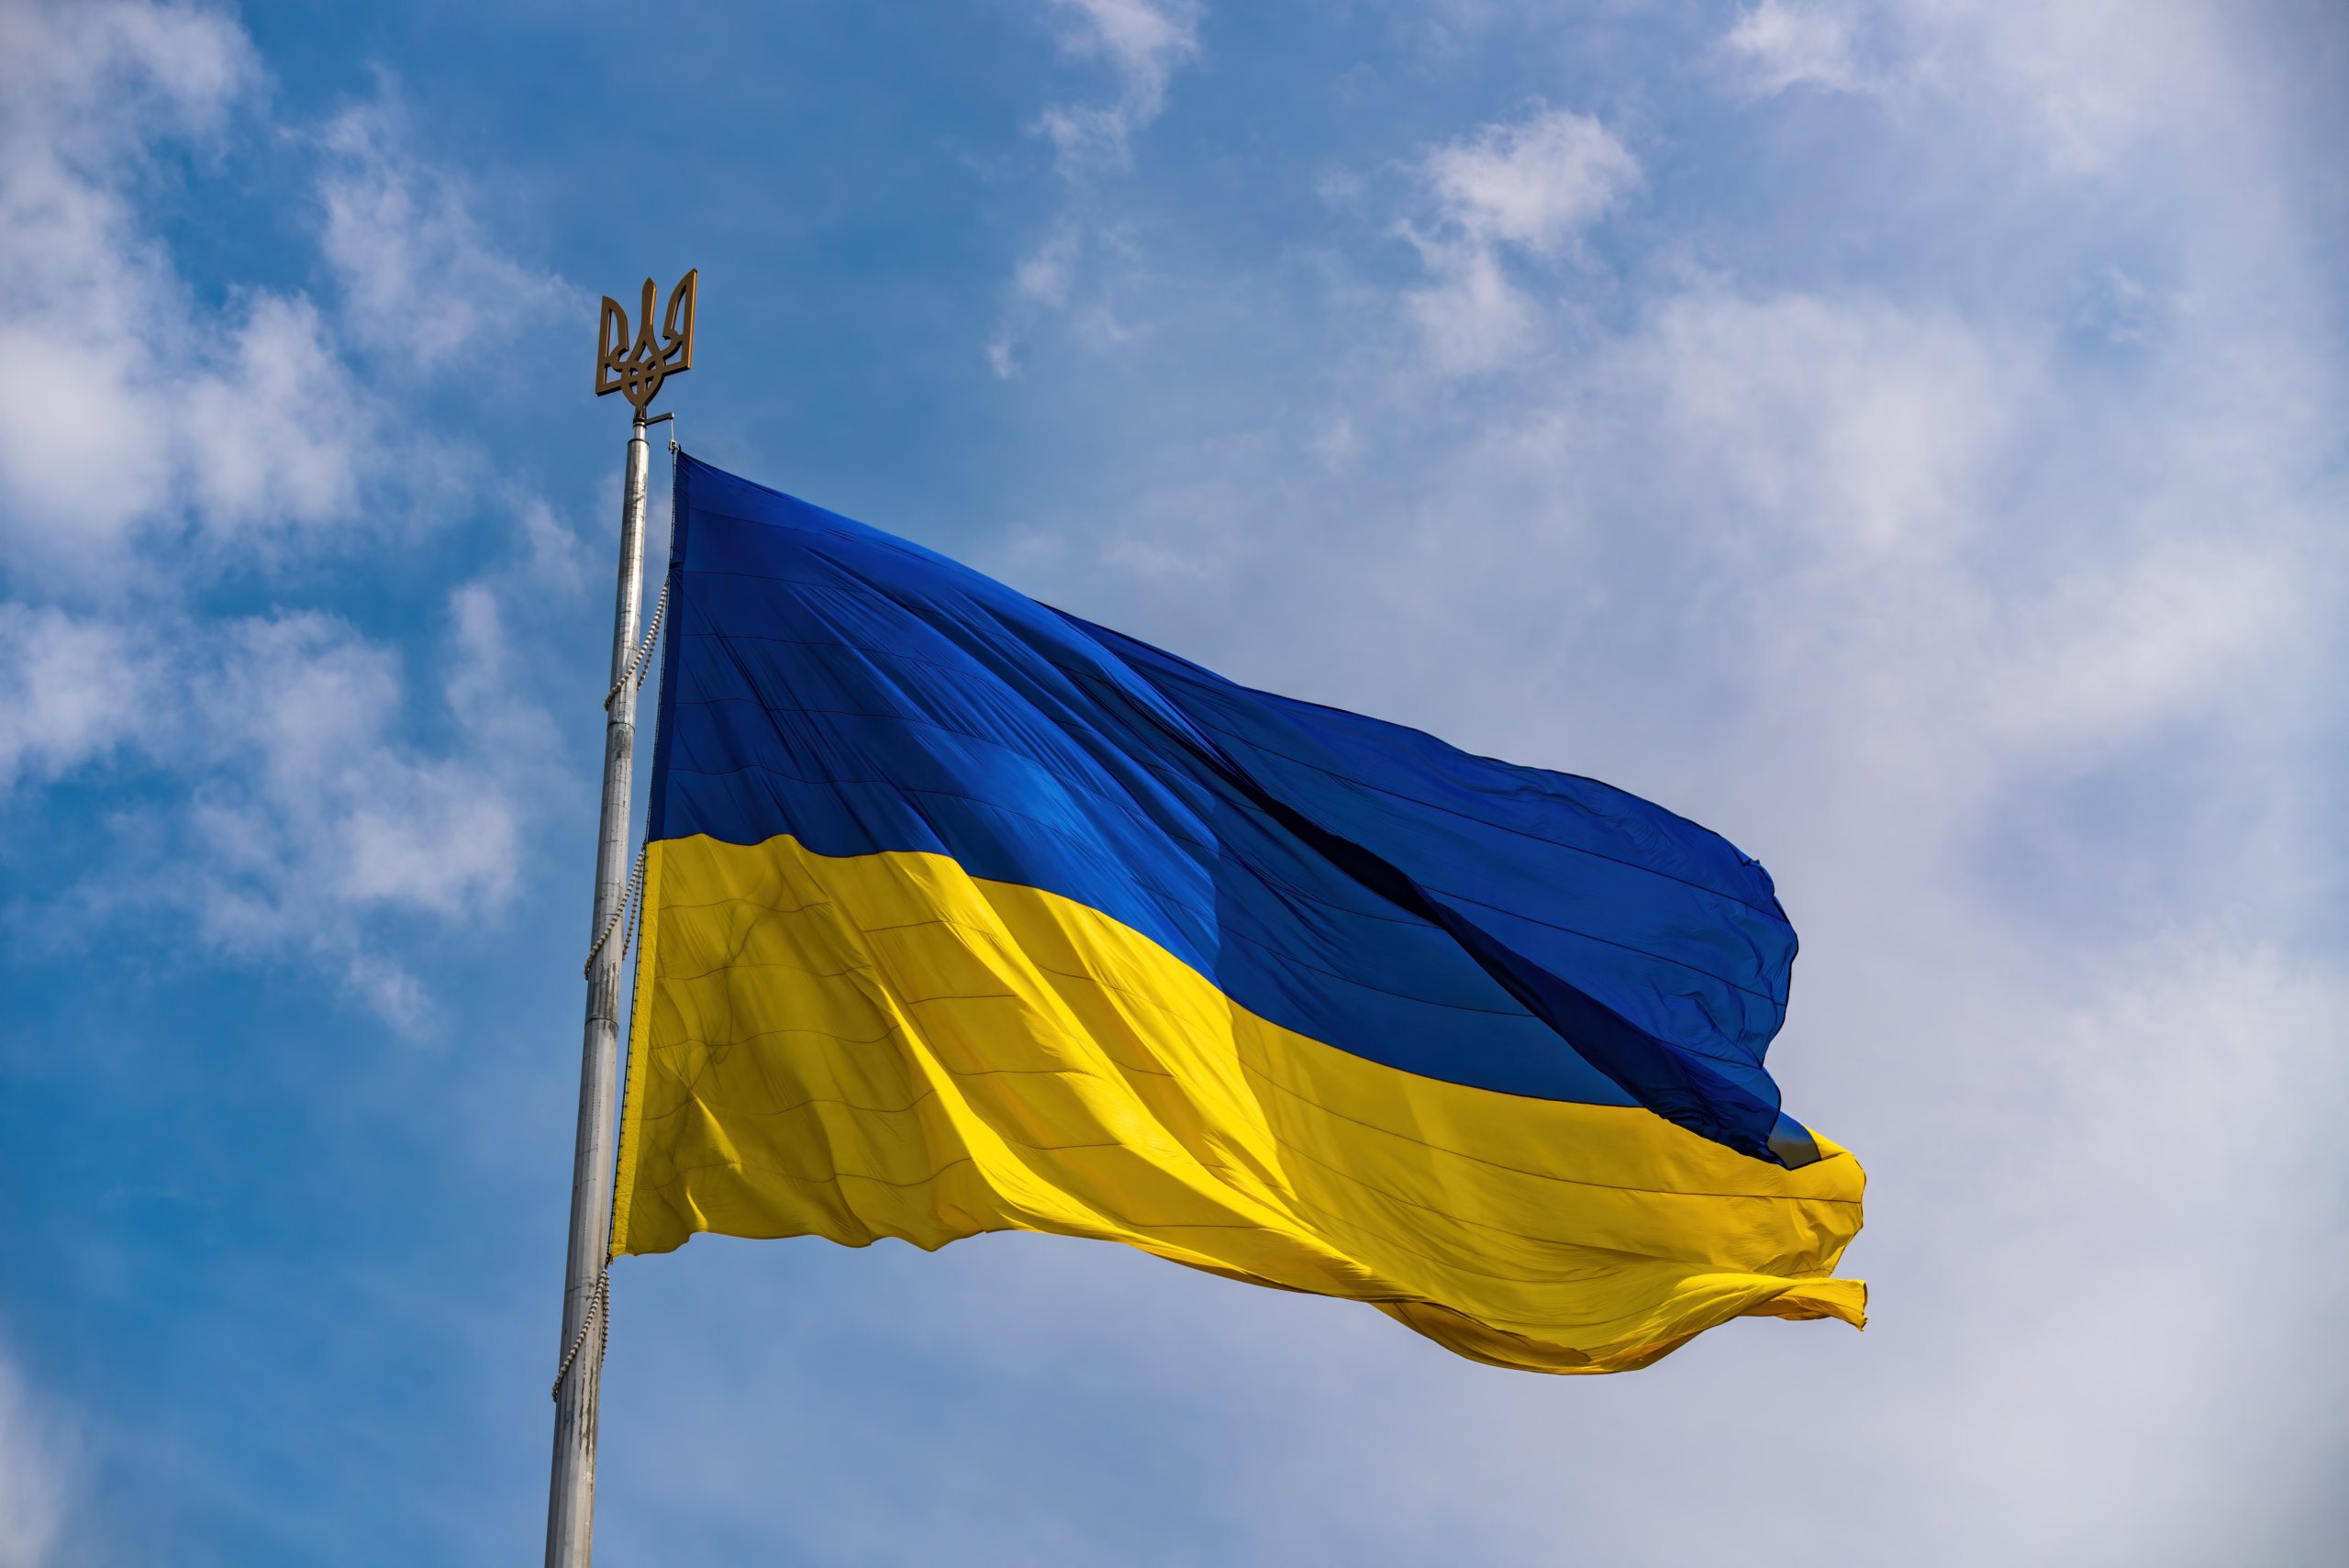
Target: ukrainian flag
962	914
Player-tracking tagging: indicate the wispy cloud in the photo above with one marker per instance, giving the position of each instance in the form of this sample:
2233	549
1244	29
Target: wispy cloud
2085	80
169	445
1531	187
71	689
1142	41
1790	43
1534	183
149	413
422	285
1916	455
1988	628
36	1451
315	811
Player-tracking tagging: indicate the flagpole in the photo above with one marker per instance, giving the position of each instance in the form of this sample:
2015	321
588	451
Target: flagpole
571	1502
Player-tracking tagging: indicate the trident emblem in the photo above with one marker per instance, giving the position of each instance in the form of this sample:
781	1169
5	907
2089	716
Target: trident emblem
640	367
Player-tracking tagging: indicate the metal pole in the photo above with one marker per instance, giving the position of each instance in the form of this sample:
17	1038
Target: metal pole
570	1501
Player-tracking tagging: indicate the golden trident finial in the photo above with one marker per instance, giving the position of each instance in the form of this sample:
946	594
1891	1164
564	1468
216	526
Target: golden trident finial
640	367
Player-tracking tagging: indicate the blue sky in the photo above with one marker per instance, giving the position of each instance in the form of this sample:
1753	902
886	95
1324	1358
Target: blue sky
1904	435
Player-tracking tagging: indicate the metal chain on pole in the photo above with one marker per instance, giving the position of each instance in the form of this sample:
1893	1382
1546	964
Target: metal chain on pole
635	365
599	1317
637	668
599	1303
627	902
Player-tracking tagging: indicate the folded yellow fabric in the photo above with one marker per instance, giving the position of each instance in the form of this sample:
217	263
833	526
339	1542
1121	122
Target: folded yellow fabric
882	1045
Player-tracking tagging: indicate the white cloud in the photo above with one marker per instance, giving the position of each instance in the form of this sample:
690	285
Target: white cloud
2001	651
279	434
166	445
1002	357
1533	184
71	689
305	809
316	812
2087	79
36	1454
1145	40
421	283
1045	277
1788	43
150	415
2002	643
1849	417
1143	43
99	76
1475	318
1868	478
1532	187
2082	80
555	559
